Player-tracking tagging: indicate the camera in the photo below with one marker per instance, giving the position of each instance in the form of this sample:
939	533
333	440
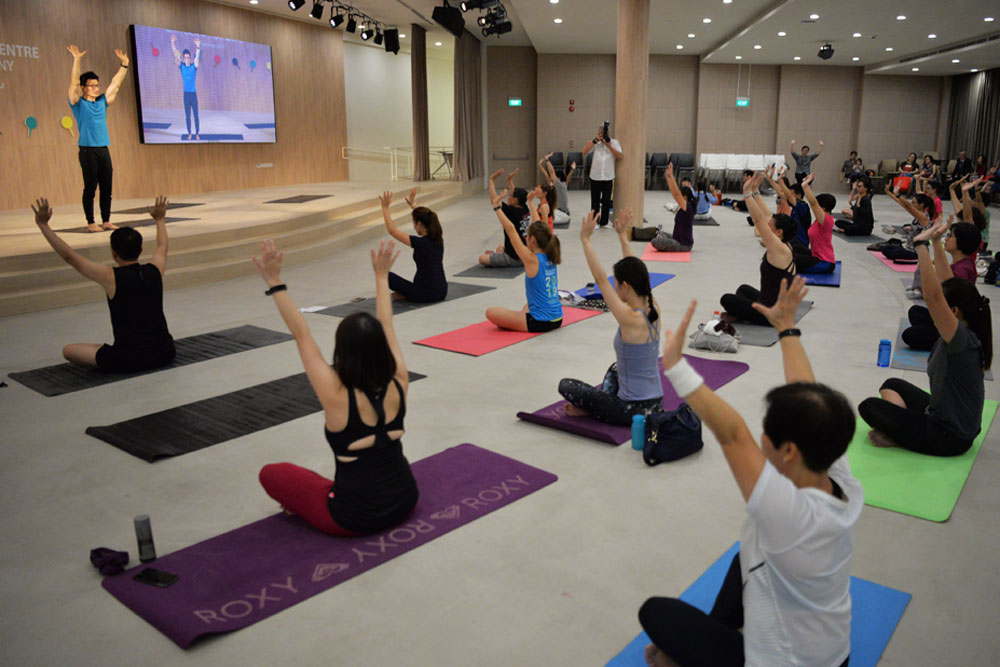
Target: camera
603	136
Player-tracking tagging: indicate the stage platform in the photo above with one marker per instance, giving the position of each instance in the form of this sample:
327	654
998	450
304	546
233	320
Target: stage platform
212	235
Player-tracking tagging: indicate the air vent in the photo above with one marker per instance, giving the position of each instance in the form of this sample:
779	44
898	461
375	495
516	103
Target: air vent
951	49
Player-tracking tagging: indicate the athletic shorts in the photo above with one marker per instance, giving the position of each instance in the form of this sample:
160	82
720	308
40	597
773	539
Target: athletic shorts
117	359
541	326
501	260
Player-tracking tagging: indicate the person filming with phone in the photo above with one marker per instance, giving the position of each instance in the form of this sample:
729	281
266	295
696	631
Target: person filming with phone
607	151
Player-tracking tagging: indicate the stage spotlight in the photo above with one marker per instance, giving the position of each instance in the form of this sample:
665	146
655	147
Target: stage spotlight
825	52
296	5
336	20
352	24
392	41
471	4
483	19
317	10
378	37
450	18
498	28
367	32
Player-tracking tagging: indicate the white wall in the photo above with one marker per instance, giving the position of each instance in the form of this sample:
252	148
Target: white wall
441	95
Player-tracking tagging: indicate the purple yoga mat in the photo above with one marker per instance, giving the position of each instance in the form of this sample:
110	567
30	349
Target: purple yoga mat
238	578
715	371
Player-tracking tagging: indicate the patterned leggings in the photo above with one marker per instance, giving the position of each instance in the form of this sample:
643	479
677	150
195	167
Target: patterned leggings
603	403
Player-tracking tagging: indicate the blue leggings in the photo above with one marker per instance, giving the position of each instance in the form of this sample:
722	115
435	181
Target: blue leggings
191	108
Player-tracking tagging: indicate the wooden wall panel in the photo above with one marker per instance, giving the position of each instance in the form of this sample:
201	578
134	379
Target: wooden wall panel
308	96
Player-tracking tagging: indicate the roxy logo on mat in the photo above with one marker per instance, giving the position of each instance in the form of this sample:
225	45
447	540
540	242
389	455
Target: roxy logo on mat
241	608
324	570
450	513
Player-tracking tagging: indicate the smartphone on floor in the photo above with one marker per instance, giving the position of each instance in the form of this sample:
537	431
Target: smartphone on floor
155	577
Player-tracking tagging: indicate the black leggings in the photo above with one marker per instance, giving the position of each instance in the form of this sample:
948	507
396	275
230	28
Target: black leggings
693	638
853	228
97	170
603	403
416	293
910	427
600	199
191	108
741	305
808	263
921	334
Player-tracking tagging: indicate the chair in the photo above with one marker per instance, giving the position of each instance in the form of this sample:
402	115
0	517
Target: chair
735	164
657	168
775	159
586	169
702	166
579	174
683	165
885	170
715	167
756	162
646	182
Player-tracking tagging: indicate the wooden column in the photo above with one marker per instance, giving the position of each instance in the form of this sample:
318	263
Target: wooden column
631	83
418	84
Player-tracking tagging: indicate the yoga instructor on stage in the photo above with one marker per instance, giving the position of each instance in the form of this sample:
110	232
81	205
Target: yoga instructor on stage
607	151
90	108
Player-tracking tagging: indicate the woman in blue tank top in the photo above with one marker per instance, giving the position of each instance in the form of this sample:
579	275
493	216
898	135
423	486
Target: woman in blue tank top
632	384
540	255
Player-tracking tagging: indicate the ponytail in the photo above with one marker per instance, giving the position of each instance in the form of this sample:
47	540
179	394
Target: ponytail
633	272
546	240
429	220
975	309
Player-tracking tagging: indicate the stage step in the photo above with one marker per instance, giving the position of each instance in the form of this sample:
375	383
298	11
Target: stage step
40	281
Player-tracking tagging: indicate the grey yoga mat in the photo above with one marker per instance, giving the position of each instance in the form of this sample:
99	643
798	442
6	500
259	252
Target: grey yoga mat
867	240
188	428
754	334
65	378
480	271
455	291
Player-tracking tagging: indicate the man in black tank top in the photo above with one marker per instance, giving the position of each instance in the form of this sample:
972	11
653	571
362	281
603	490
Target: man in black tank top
135	296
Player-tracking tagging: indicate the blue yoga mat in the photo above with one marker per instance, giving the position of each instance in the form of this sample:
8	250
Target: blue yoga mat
824	279
876	611
655	279
906	358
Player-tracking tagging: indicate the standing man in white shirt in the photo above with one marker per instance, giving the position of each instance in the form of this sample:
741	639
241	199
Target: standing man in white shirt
607	151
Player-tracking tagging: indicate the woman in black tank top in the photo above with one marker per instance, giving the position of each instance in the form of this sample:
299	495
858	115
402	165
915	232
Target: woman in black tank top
363	394
776	232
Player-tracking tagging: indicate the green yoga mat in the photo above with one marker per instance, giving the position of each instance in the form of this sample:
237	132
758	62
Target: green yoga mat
916	484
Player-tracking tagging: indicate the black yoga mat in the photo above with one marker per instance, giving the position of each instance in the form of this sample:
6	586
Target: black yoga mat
201	424
480	271
142	222
170	206
706	222
65	378
455	291
867	240
297	199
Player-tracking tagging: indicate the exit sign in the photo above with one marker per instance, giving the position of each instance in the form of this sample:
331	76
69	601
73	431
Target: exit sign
742	101
513	101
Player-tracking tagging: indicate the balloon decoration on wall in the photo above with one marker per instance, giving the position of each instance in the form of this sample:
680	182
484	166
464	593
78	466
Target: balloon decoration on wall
31	123
253	63
236	63
156	52
218	60
67	123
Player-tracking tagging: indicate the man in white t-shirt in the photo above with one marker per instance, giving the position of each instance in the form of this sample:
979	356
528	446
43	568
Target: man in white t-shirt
788	589
607	151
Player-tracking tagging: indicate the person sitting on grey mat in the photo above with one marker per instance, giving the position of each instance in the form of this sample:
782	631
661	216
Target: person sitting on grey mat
429	284
858	220
363	394
516	210
561	213
681	239
134	292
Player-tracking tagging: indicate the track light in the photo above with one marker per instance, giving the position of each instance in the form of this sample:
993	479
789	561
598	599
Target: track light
352	24
366	32
378	37
336	20
498	28
296	5
483	20
470	4
392	41
317	10
825	52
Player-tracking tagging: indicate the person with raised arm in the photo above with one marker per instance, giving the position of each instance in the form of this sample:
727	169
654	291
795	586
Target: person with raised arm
561	213
631	385
803	160
776	233
516	210
862	220
429	283
966	209
90	108
682	237
363	394
794	198
188	66
545	195
539	254
945	421
134	292
821	258
786	598
607	151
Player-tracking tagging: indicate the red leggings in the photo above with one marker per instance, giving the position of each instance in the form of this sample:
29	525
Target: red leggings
302	492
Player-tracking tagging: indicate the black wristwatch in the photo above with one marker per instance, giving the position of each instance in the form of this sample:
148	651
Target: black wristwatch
277	288
790	332
917	244
496	208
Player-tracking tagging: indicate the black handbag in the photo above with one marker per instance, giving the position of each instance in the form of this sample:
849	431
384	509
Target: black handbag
671	435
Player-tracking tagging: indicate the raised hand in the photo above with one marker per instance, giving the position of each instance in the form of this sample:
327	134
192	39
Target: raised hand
383	258
670	170
748	185
158	211
496	201
623	221
412	197
572	165
968	186
821	144
588	225
385	198
809	179
42	211
121	56
173	38
546	158
941	228
197	43
674	345
930	232
782	314
269	263
496	174
511	175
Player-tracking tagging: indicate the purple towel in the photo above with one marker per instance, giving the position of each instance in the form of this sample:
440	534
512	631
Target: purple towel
715	371
238	578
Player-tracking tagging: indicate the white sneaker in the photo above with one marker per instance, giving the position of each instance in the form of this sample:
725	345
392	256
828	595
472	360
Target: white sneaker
671	206
914	294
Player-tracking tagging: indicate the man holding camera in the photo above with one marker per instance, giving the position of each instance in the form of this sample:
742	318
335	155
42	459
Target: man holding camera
607	151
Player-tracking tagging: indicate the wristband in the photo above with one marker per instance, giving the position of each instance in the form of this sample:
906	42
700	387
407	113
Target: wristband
277	288
496	208
790	332
684	378
125	66
917	244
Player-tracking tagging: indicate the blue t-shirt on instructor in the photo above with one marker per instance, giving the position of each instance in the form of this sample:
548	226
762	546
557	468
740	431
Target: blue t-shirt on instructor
92	121
188	74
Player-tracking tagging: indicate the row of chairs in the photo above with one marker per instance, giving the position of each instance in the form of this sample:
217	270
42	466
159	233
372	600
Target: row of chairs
726	169
656	167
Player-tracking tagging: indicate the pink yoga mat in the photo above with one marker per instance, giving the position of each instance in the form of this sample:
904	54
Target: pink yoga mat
901	268
243	576
485	337
715	371
651	254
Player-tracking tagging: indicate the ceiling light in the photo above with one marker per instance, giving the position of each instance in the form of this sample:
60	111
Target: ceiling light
888	48
554	2
336	20
317	10
727	2
857	34
739	57
254	2
690	35
680	46
797	58
855	59
706	20
758	47
973	70
955	61
296	5
437	43
782	33
932	36
988	19
352	24
914	69
900	18
814	16
557	20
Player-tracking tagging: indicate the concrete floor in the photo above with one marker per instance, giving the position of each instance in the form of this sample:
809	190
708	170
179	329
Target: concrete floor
554	579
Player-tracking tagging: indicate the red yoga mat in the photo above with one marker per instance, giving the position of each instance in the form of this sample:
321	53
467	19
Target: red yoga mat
901	268
651	254
485	337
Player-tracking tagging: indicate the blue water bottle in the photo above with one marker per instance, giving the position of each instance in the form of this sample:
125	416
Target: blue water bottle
884	352
638	432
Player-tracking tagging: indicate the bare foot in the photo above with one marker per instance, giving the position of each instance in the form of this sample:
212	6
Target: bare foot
880	439
396	296
286	510
574	411
94	227
727	318
197	138
657	658
109	226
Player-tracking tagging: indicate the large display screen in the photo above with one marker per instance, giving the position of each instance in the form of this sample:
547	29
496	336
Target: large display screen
199	88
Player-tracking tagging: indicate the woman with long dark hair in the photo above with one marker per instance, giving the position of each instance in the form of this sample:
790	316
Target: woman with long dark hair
429	284
363	394
682	237
632	384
